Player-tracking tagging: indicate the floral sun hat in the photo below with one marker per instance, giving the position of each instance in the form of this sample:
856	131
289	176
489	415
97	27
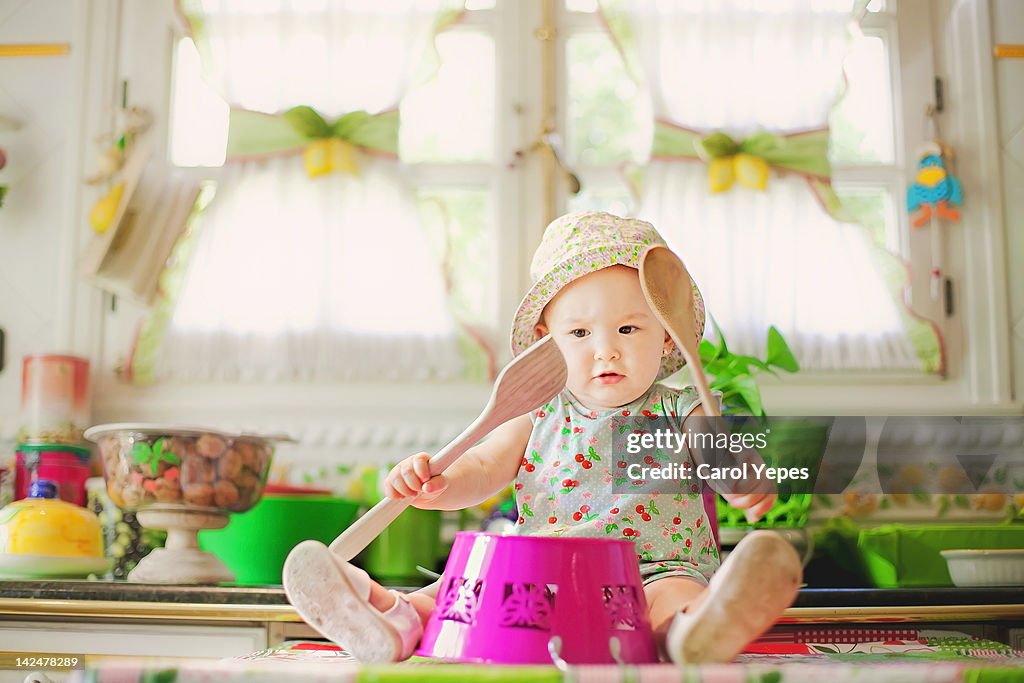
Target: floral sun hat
581	243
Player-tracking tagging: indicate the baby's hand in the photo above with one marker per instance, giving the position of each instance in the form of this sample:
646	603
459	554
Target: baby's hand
754	505
411	478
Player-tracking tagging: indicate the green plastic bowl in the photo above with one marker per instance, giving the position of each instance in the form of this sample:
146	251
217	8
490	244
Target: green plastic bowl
255	544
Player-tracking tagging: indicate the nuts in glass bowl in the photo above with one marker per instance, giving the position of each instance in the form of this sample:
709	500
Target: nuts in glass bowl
147	465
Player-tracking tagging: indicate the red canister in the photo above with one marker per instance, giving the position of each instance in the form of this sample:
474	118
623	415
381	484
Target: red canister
54	399
66	466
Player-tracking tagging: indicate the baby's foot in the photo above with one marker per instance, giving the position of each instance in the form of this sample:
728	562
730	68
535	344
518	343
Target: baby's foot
755	584
334	598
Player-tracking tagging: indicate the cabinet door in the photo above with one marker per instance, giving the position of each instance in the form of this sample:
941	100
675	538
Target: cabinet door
139	640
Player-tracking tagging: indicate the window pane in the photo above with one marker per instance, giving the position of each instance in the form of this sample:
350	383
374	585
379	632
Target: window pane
862	129
603	102
199	117
614	199
451	117
873	208
456	220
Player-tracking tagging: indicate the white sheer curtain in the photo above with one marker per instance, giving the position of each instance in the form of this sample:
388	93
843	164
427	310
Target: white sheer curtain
774	257
322	277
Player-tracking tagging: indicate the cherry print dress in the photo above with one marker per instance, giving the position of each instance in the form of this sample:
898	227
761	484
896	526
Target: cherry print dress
565	485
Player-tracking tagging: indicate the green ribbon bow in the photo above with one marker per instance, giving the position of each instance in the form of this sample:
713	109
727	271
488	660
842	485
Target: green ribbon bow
804	153
254	134
749	159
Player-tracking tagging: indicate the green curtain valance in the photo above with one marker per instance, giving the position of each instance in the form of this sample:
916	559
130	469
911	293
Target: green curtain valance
748	160
328	146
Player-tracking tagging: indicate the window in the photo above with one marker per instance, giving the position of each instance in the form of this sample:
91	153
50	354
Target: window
311	260
501	89
607	118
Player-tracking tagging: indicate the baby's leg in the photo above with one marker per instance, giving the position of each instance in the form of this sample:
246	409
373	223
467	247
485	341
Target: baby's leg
346	606
666	597
747	594
423	599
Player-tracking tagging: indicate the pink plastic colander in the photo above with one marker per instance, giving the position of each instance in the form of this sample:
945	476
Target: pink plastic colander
522	599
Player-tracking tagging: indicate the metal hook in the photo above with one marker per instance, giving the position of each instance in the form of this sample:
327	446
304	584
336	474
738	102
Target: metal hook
555	652
615	648
627	673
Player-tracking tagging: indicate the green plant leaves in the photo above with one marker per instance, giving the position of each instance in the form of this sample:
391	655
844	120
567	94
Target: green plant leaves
745	388
144	454
778	353
732	373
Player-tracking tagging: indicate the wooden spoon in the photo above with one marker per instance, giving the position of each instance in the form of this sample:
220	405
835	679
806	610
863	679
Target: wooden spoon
669	291
528	382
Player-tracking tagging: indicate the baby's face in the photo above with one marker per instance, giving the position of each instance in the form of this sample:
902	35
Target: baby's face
611	340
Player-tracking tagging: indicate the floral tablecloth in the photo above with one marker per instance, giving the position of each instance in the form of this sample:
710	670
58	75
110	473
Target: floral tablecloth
836	655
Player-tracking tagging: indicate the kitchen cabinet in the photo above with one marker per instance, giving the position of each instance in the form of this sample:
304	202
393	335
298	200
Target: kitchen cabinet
97	637
135	620
134	638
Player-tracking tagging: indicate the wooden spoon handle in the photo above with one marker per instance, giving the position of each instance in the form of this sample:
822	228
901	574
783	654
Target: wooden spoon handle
669	291
708	401
368	527
526	382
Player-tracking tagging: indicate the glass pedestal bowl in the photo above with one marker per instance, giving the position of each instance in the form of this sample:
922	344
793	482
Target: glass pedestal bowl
182	479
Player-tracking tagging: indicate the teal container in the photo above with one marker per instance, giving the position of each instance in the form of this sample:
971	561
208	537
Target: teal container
254	544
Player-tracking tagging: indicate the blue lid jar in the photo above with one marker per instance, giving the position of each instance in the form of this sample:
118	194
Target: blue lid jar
43	488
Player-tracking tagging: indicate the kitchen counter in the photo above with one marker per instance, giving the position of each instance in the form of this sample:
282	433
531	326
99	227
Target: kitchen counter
225	594
122	599
142	620
214	622
269	603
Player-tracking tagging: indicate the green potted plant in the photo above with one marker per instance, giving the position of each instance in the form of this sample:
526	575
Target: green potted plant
733	374
789	443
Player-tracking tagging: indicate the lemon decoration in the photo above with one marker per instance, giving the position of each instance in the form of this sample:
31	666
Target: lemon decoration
103	212
329	155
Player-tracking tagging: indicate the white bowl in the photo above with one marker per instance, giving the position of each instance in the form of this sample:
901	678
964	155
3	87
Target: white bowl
985	567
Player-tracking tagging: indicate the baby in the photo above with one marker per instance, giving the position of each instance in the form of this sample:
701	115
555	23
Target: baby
587	295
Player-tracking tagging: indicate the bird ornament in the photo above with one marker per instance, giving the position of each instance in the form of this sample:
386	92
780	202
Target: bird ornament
934	192
933	195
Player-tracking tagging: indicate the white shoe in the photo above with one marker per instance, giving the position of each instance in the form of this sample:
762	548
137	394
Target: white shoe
749	592
333	597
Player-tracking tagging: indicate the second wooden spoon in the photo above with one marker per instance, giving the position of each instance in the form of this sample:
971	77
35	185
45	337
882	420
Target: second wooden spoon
669	291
